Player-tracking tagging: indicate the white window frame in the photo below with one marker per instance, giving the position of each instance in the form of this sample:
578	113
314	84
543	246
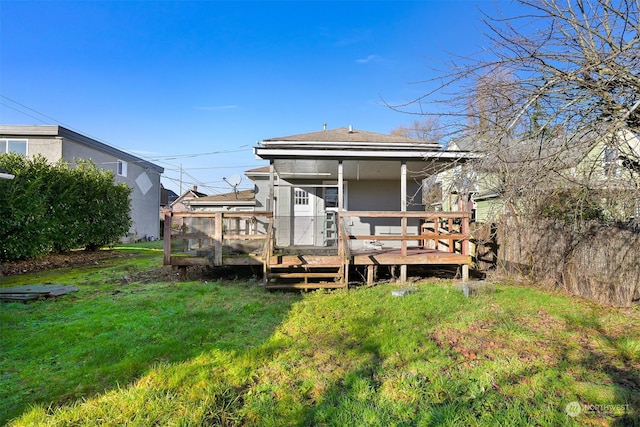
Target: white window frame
121	168
300	197
7	141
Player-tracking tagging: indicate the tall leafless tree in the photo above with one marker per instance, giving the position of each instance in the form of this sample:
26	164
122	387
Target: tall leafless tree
555	80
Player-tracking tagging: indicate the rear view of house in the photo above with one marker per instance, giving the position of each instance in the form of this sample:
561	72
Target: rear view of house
331	201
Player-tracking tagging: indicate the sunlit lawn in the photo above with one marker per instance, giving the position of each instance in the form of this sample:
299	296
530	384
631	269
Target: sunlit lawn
123	352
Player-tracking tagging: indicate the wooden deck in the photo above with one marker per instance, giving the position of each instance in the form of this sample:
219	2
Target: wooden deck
247	238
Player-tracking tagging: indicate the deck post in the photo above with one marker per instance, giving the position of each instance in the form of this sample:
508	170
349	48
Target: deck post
217	239
341	249
371	274
167	238
403	208
465	246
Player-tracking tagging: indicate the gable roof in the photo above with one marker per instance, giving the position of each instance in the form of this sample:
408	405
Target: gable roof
349	136
191	193
243	197
26	131
349	143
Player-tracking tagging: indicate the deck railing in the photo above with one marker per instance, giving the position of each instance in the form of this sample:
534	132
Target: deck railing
443	231
193	238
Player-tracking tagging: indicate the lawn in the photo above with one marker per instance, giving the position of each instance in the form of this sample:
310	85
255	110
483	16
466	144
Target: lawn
132	348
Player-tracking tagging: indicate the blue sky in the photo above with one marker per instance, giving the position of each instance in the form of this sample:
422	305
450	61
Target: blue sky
197	84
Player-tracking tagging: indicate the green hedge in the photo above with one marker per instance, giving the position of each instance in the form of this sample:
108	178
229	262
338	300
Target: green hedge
55	208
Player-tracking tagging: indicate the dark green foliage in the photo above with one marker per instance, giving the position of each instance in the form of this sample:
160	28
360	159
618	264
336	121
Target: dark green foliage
55	208
573	206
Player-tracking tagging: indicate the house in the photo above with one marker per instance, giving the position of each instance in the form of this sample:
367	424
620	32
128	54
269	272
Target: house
167	196
338	199
237	201
608	165
178	205
58	143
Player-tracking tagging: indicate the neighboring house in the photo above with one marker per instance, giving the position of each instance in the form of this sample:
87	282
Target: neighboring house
178	205
608	165
58	143
235	201
167	197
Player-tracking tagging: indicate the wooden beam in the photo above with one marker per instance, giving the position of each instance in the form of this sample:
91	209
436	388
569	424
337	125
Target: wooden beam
166	260
443	258
408	214
217	240
230	214
430	236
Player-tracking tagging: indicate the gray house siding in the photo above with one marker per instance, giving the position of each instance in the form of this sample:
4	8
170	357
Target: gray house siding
56	143
144	204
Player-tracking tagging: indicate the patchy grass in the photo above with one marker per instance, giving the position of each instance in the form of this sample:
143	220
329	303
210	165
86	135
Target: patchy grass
228	353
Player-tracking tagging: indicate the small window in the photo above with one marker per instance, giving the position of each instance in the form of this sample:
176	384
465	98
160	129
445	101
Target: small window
610	163
301	197
13	146
121	168
331	197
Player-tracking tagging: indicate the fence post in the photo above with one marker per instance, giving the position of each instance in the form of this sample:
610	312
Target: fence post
167	238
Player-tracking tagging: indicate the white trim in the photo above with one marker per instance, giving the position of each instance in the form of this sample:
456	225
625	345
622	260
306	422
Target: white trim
348	144
346	154
121	168
8	140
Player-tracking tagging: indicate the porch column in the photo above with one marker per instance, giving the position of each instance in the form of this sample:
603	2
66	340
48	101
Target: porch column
340	187
271	205
403	208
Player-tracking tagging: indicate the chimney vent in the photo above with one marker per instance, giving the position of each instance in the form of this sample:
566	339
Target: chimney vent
324	126
350	129
195	188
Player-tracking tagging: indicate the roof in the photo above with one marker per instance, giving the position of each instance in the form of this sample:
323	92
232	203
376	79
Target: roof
350	135
349	143
188	195
59	131
257	171
239	197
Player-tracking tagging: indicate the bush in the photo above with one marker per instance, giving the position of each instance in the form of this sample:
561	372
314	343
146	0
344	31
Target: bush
55	208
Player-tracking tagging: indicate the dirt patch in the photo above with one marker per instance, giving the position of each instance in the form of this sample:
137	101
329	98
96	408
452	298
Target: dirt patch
70	259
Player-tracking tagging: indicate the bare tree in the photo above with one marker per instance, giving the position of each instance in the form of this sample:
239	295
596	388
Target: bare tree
558	80
429	129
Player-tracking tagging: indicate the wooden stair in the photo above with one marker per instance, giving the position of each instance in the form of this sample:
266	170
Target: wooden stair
304	272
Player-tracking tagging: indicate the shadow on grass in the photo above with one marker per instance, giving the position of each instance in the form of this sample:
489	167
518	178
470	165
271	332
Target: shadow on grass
611	356
57	351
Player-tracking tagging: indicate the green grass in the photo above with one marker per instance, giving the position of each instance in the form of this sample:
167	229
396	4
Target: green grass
143	352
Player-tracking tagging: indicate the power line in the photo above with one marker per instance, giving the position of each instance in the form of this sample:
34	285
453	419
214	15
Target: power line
159	159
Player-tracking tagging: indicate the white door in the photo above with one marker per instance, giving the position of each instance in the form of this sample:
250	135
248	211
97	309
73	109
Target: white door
303	217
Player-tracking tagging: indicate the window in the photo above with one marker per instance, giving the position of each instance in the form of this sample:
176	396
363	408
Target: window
300	197
610	163
13	146
121	169
331	195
